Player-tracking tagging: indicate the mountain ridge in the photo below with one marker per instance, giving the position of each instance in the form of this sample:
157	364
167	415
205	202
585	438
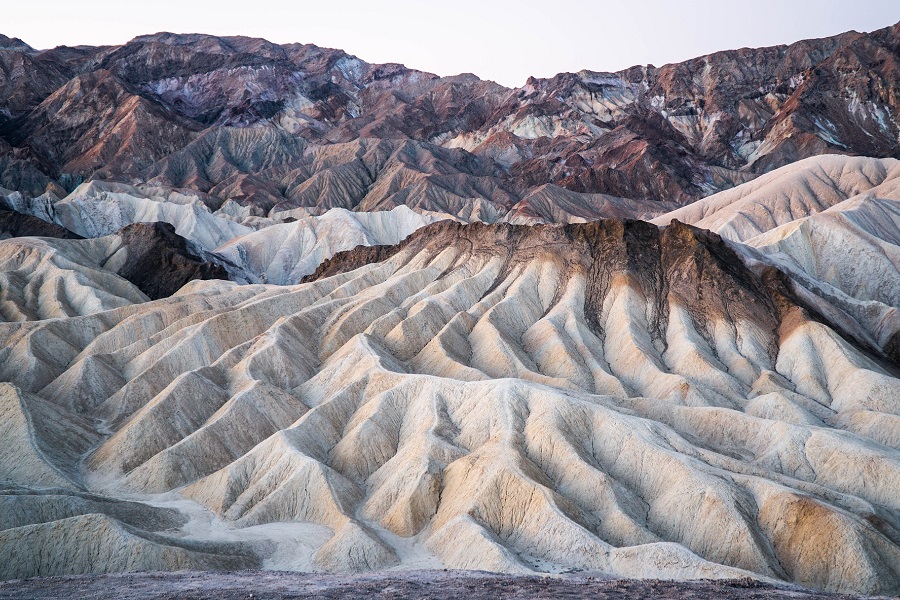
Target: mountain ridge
672	133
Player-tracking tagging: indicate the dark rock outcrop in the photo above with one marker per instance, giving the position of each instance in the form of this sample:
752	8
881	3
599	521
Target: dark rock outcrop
349	260
15	224
159	261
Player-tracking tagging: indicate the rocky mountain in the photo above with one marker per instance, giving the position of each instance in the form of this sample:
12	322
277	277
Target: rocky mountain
236	117
272	307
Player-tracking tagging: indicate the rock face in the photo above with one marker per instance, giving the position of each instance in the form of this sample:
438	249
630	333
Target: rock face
833	223
16	224
158	261
607	396
232	116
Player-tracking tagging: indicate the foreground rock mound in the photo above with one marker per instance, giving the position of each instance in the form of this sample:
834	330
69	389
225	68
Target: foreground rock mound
607	396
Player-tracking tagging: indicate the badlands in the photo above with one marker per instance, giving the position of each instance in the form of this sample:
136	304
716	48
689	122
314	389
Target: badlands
280	338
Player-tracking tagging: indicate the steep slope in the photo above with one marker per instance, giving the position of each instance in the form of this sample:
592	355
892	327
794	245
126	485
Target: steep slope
97	209
833	223
605	396
268	170
26	79
44	278
58	529
848	255
705	124
790	193
553	204
221	153
95	124
157	260
309	216
854	245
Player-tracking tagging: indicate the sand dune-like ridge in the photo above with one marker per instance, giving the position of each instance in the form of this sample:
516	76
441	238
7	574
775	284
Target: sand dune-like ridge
606	396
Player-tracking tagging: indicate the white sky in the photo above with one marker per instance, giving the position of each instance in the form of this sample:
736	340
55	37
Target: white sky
503	40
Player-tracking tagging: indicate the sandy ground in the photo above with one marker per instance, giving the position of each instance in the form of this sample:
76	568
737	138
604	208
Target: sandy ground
260	585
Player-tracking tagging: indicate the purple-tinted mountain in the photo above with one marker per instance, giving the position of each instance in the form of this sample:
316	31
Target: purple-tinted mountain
211	113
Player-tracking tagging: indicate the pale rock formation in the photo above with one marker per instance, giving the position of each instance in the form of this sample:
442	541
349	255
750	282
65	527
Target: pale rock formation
97	209
608	396
42	440
98	544
43	278
285	253
790	193
833	224
635	399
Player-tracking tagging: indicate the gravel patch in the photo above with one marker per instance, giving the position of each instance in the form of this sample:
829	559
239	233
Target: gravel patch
269	585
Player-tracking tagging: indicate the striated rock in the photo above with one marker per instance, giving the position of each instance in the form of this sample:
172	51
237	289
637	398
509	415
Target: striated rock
97	209
44	278
609	396
553	204
43	441
26	78
474	357
285	253
95	124
353	550
99	544
789	194
22	507
349	260
833	224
